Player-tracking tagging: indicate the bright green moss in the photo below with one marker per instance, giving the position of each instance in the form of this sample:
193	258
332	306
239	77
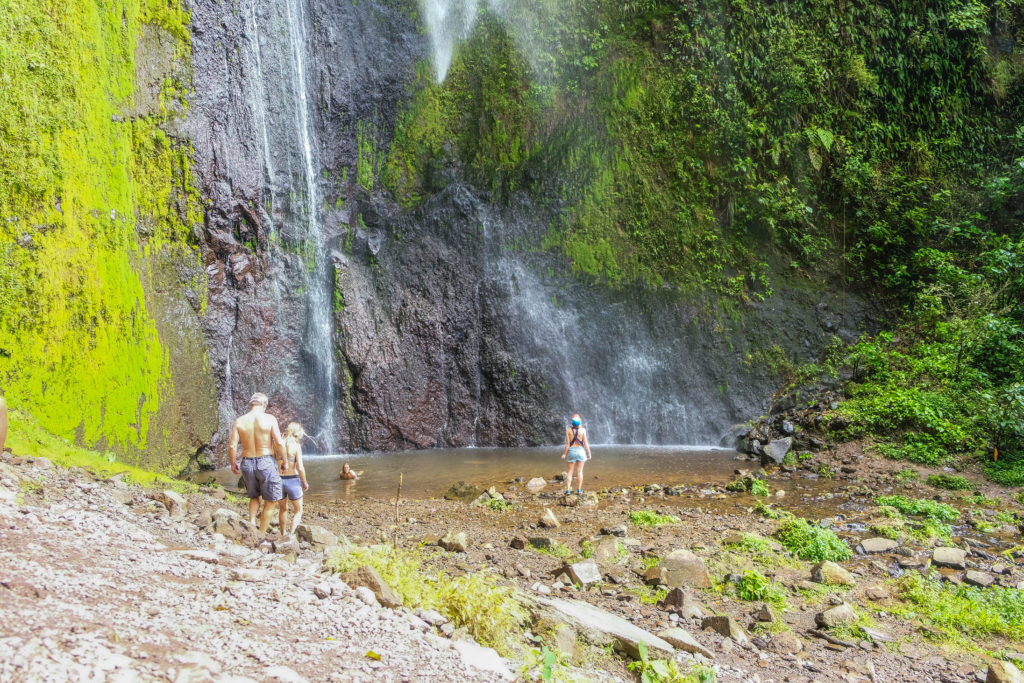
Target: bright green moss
78	348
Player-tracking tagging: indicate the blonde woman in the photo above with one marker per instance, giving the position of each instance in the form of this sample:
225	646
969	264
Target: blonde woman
293	475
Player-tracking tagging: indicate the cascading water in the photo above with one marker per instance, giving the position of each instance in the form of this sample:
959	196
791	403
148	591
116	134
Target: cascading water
448	22
319	337
280	101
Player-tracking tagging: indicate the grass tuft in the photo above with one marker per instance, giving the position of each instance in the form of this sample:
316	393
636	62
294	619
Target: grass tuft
812	542
650	518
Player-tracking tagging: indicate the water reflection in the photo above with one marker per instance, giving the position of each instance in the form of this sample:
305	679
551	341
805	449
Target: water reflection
429	473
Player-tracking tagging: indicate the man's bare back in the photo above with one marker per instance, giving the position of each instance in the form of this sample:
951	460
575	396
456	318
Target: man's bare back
258	432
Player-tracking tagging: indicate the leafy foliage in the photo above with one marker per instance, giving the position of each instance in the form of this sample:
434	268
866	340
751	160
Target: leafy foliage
940	512
950	482
812	542
754	585
650	518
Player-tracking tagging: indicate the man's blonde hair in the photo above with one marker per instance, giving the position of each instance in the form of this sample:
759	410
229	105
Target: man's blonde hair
259	399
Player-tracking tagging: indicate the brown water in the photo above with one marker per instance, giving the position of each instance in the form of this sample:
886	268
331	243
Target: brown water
429	473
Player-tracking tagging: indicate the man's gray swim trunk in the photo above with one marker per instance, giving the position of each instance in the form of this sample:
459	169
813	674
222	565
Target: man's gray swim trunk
262	478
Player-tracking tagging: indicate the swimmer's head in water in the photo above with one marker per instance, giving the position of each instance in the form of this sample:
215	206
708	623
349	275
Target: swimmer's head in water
294	431
576	421
259	399
345	468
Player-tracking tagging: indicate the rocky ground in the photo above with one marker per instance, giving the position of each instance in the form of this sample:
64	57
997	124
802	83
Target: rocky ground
102	581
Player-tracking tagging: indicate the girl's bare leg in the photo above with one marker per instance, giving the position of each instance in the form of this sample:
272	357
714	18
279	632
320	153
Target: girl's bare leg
568	477
283	515
296	515
579	473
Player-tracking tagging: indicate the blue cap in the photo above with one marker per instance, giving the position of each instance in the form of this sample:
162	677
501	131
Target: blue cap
576	421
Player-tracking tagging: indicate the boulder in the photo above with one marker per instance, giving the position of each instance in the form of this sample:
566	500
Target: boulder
831	574
317	536
541	542
777	449
584	573
454	542
175	503
367	577
536	484
548	519
765	615
726	627
872	546
1003	672
786	643
681	639
842	614
605	549
517	542
619	530
683	568
979	579
954	558
877	593
599	627
463	492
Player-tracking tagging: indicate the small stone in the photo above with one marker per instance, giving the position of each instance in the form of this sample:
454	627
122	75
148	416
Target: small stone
682	640
249	574
843	614
979	579
786	642
1003	672
548	519
584	573
765	615
618	530
831	574
454	542
873	546
432	617
725	626
173	501
316	536
519	543
536	484
367	577
366	595
876	593
954	558
541	542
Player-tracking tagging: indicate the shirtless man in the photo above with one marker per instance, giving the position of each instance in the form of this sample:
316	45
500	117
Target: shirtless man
261	439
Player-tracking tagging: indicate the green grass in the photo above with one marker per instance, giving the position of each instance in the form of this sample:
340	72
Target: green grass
949	482
650	518
907	474
493	614
812	542
960	612
27	438
920	507
759	488
498	504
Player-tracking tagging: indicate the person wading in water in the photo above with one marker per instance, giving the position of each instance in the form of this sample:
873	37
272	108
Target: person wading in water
261	438
577	447
293	475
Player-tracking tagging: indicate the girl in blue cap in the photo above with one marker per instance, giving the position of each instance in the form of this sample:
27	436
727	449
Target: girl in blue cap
577	447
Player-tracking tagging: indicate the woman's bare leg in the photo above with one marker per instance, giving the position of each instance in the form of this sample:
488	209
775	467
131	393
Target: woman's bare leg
568	476
579	473
296	515
283	515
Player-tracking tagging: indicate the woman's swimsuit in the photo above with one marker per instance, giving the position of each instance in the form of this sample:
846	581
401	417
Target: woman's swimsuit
576	453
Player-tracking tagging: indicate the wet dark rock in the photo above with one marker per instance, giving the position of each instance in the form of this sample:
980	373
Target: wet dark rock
619	530
776	450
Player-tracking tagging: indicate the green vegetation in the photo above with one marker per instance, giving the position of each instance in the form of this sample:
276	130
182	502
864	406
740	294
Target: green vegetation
960	612
812	542
92	192
28	438
754	585
498	504
759	488
751	543
667	670
649	518
920	507
490	612
950	482
906	475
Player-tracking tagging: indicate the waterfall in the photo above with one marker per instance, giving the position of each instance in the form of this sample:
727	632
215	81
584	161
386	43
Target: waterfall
319	341
448	22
